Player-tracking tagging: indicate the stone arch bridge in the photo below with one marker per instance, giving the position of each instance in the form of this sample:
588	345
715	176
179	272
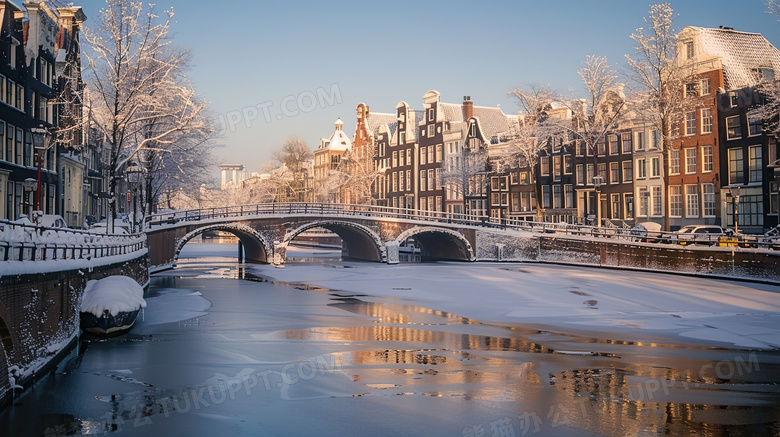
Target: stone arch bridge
367	233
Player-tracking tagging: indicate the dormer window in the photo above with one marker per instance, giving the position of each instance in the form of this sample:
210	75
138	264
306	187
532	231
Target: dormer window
689	50
764	73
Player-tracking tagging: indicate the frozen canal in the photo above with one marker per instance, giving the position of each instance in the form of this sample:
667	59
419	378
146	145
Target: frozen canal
328	347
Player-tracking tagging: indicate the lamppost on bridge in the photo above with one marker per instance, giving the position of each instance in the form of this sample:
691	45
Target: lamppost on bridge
41	137
733	195
133	173
28	186
598	181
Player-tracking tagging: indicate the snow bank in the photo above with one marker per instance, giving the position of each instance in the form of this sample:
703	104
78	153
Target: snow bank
113	293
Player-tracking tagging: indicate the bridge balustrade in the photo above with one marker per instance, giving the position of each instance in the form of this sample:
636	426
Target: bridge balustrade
25	242
612	231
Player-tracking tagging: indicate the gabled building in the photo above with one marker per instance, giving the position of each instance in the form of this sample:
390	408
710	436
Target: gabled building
730	65
402	150
367	158
327	159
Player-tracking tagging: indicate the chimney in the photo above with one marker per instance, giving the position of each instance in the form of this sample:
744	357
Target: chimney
468	107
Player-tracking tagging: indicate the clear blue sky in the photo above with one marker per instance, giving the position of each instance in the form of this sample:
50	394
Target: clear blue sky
248	53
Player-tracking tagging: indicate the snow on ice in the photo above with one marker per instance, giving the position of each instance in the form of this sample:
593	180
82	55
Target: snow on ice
626	304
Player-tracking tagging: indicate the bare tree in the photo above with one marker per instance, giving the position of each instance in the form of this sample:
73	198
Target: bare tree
137	80
658	77
461	171
292	177
769	87
539	124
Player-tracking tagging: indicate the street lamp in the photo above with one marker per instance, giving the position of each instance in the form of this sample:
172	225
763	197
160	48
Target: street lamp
733	194
598	181
28	186
133	173
41	141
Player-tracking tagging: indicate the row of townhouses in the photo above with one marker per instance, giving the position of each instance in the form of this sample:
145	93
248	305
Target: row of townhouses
721	160
41	91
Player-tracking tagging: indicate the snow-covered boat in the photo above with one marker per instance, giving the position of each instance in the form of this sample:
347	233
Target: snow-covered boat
110	305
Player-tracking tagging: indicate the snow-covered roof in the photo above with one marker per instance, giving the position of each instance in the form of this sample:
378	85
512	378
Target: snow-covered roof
741	54
339	140
493	121
377	119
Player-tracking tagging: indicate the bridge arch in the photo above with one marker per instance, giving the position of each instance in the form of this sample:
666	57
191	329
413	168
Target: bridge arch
439	243
361	242
256	246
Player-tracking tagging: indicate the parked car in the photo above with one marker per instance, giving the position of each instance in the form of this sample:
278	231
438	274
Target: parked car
698	234
52	221
648	232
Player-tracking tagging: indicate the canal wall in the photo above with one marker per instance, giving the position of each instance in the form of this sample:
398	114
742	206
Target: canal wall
39	311
727	262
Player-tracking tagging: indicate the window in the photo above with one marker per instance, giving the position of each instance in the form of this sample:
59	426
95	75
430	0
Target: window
569	193
409	180
708	198
580	174
774	198
395	181
603	171
494	183
626	140
557	168
431	152
423	184
545	196
751	211
675	201
430	114
706	120
628	171
644	199
395	158
557	198
431	180
578	146
733	128
689	50
601	148
706	158
674	161
423	151
690	160
733	99
629	199
755	126
614	170
431	130
656	140
439	153
615	212
640	141
754	163
544	165
614	146
513	178
641	168
690	90
704	86
691	201
495	199
402	158
690	123
736	166
401	181
658	201
19	149
9	142
591	169
567	164
655	167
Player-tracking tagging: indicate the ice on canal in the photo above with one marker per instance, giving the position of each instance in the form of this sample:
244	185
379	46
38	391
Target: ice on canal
331	347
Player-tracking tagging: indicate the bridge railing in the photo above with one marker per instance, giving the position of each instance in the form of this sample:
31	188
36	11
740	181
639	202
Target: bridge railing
622	232
28	242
